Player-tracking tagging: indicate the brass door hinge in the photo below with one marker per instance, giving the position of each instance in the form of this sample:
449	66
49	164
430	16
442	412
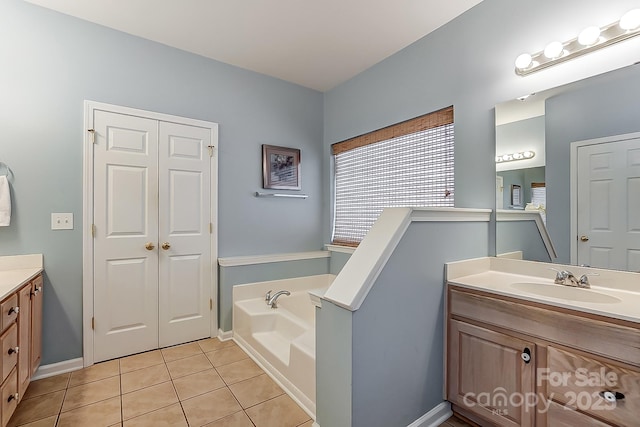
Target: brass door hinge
210	147
93	230
210	228
210	304
93	323
92	133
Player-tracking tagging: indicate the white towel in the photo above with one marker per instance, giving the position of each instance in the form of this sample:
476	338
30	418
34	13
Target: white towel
5	202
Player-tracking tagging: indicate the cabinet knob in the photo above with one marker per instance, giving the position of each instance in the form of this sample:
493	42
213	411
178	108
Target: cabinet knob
15	350
611	396
526	355
166	245
584	238
12	397
149	246
15	310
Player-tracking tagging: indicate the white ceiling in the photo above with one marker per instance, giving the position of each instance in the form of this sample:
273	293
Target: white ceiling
317	44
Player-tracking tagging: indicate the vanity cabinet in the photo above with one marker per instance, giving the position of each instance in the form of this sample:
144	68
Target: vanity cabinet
511	362
20	341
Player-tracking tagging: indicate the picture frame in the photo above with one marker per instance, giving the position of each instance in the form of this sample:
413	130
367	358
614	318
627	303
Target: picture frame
516	195
280	168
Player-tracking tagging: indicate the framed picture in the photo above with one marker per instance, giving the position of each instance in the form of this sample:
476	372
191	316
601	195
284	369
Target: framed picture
516	195
280	168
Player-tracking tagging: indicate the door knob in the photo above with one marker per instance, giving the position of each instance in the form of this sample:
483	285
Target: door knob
149	246
584	238
166	245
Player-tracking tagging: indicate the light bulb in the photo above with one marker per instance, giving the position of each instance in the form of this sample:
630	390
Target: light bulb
553	50
518	156
528	154
589	36
498	159
507	157
523	61
630	20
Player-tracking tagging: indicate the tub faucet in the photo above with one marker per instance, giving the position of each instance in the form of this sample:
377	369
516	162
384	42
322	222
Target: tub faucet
273	299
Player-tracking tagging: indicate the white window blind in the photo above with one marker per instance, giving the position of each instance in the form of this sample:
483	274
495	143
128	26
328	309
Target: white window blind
539	198
411	170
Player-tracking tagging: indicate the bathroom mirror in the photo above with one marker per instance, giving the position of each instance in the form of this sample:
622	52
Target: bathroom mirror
538	139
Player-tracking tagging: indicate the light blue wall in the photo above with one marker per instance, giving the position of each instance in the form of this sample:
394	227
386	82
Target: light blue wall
521	236
523	178
337	261
397	333
334	370
604	105
238	275
51	63
467	63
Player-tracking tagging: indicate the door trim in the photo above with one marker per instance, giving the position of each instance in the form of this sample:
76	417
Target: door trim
87	212
573	170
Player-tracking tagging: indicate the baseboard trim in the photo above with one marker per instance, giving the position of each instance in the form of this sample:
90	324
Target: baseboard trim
434	417
224	335
58	368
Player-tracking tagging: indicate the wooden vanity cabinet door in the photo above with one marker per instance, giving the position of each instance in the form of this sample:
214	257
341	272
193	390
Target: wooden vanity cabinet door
24	338
488	376
36	323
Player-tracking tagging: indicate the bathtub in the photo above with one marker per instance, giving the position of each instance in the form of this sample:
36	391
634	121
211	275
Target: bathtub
282	340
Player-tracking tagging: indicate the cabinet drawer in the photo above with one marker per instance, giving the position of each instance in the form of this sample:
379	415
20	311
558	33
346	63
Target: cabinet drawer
561	416
9	308
9	345
575	330
9	396
579	382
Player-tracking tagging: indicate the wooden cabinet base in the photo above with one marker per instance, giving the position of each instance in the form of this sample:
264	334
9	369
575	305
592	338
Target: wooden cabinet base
513	363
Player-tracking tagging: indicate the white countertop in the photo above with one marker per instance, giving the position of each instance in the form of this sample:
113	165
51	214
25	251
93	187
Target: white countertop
17	270
498	277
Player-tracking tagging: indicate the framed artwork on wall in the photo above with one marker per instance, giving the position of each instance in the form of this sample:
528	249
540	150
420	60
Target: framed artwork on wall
280	168
516	195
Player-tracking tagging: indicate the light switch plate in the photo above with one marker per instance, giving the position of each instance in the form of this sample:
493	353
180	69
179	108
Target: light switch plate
62	221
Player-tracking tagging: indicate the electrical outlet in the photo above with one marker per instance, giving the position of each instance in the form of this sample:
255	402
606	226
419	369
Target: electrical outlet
62	221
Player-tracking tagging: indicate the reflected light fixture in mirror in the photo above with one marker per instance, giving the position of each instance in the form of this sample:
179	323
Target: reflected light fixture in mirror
589	40
522	155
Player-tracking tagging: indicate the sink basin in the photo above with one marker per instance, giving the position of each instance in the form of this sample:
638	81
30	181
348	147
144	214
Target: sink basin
566	292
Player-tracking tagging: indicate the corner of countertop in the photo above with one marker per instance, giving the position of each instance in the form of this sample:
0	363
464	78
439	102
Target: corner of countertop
21	262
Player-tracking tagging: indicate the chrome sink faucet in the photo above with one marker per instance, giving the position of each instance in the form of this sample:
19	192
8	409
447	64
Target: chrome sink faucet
566	278
272	300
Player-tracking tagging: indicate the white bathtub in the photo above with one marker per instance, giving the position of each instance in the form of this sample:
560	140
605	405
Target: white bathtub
282	340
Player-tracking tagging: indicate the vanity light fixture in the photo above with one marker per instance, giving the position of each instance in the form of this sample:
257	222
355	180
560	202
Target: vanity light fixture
589	40
522	155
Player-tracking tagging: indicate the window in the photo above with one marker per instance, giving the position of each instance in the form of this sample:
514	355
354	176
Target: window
409	164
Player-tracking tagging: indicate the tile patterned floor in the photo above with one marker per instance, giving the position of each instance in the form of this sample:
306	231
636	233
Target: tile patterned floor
204	383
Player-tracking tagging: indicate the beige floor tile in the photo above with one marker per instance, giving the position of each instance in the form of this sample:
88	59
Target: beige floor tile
171	416
45	422
198	383
210	407
279	412
307	424
140	361
189	365
47	385
255	390
148	400
239	419
101	414
180	351
145	377
226	355
91	393
97	372
213	344
239	371
37	408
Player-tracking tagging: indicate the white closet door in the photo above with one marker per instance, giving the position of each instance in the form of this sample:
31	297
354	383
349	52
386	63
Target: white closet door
126	220
608	205
185	239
